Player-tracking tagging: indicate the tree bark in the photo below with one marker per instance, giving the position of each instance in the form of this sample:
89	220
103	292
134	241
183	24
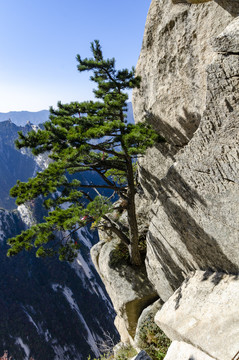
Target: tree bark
134	253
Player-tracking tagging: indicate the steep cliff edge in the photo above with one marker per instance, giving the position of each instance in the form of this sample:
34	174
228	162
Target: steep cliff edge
189	65
190	93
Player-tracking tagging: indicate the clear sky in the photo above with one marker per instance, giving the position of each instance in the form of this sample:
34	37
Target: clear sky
39	40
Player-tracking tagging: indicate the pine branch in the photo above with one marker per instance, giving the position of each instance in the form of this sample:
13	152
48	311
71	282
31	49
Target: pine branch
117	229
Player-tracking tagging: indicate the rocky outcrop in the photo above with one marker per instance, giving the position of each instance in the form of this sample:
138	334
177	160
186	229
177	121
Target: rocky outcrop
203	312
128	286
189	66
172	64
182	351
195	221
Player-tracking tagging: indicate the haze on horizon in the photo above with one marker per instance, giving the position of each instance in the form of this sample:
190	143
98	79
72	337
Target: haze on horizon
40	40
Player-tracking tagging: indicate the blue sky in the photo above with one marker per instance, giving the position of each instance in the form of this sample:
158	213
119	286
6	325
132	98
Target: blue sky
39	40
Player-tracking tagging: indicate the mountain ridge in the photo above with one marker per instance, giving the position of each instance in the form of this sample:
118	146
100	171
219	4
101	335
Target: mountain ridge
21	118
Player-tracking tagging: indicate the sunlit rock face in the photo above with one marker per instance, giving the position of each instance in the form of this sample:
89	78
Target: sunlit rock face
172	64
181	350
203	312
127	285
190	94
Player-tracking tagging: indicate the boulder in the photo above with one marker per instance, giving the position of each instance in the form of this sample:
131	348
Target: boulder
204	313
180	350
127	286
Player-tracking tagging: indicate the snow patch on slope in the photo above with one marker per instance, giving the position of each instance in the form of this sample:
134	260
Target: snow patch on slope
61	353
1	231
85	236
69	297
5	223
24	346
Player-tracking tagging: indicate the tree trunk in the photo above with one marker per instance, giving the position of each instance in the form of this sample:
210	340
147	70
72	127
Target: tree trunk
134	253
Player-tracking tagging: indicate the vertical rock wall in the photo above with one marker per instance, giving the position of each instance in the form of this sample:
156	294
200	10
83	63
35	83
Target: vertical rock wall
190	95
173	60
189	65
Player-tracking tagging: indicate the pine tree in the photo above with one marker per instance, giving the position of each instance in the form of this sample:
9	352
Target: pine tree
83	137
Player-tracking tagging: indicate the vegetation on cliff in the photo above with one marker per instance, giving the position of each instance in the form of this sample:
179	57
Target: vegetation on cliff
81	137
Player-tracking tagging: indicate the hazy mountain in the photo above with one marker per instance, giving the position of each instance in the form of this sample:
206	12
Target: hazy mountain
21	118
130	115
14	164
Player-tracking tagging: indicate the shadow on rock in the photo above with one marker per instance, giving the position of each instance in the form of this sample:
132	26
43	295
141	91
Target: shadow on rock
230	6
173	135
200	246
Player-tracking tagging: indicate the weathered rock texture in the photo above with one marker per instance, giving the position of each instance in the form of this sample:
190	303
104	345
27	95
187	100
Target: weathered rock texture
228	40
231	6
128	286
190	94
204	313
182	351
173	60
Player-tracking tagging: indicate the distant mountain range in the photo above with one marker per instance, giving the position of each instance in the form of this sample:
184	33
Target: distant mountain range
48	309
14	164
21	118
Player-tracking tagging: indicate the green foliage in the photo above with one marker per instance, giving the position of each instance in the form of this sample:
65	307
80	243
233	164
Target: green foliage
79	137
153	340
121	254
125	353
98	207
101	357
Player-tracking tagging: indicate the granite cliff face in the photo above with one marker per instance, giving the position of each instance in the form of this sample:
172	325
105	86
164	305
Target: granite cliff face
189	65
194	104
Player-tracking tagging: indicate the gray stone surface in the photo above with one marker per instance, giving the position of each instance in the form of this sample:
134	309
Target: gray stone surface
190	1
172	64
193	180
228	40
127	286
180	350
204	313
